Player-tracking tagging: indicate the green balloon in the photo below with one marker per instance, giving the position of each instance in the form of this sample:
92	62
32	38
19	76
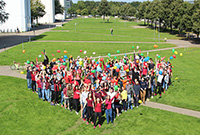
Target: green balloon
133	47
31	65
116	87
64	63
124	61
115	57
28	62
93	71
118	51
94	60
173	50
142	54
159	56
109	54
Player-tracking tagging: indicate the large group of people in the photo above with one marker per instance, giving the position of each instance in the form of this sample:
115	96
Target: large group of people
94	87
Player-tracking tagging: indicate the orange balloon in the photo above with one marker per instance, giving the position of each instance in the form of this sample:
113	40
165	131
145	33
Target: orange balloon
88	58
65	51
137	61
70	61
155	46
23	51
54	59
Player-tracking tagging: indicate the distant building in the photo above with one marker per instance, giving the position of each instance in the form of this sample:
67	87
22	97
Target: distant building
19	16
49	17
66	4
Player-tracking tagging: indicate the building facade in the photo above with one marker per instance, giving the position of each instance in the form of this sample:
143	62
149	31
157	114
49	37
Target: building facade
19	16
49	17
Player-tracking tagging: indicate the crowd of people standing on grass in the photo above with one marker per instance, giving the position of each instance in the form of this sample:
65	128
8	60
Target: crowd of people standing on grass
94	87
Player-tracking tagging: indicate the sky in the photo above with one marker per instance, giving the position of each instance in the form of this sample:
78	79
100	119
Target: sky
75	1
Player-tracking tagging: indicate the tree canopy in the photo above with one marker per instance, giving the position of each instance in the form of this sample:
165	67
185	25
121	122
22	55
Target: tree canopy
37	9
3	14
58	8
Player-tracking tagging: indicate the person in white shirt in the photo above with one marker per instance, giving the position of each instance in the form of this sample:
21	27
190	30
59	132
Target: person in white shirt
112	93
159	82
84	96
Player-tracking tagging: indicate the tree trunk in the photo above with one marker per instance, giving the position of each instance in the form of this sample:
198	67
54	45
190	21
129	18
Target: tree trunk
197	35
171	26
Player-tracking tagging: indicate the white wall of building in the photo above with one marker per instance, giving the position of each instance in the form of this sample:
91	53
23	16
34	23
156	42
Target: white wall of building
49	17
19	16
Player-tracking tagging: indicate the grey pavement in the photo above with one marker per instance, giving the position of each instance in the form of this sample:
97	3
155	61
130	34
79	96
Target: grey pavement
12	39
6	71
173	109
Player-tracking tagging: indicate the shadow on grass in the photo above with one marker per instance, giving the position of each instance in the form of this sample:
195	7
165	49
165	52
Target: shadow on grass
38	37
106	22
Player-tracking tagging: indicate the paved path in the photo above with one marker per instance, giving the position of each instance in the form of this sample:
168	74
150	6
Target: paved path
173	109
12	39
6	71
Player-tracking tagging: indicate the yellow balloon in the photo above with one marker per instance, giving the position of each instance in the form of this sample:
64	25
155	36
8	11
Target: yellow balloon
181	54
176	52
115	67
80	62
22	72
44	67
127	70
140	101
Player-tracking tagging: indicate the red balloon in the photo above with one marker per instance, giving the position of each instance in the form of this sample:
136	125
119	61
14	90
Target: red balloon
58	51
112	81
80	50
56	67
174	56
101	59
117	70
126	67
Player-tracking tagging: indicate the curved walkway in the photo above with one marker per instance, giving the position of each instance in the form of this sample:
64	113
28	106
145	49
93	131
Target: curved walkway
6	71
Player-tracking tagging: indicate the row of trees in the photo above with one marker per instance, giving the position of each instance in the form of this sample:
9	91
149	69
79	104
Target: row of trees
104	8
178	14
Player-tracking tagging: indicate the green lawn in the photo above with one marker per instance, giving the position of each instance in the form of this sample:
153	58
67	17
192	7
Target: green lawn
92	29
185	90
21	112
34	49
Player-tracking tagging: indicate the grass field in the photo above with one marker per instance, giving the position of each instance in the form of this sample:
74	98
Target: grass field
21	112
92	29
34	49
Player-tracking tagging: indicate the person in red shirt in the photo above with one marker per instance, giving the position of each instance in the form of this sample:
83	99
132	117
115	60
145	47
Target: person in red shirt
89	109
116	102
33	74
76	98
97	107
56	91
39	85
108	107
65	96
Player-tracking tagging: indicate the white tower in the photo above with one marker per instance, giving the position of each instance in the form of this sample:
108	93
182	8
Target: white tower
49	17
19	16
